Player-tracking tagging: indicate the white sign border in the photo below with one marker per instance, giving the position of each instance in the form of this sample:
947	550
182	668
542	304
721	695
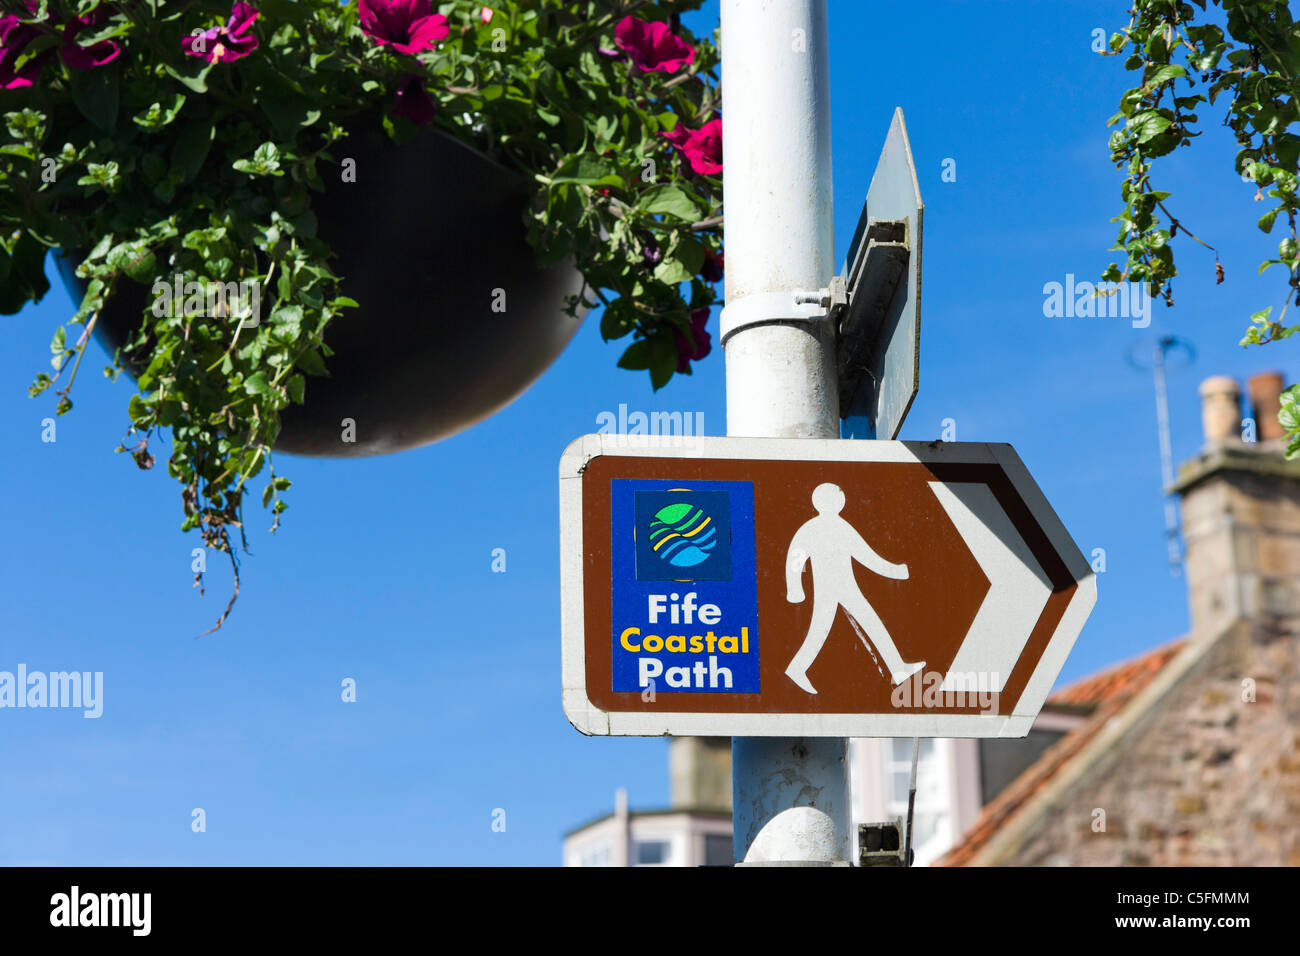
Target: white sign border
593	721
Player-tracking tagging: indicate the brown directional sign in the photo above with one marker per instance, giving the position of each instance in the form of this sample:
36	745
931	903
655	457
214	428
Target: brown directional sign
770	587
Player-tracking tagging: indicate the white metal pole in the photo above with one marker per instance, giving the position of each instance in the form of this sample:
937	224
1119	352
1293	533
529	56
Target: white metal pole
790	795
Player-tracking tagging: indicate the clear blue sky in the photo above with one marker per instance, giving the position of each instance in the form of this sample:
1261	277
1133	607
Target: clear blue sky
457	667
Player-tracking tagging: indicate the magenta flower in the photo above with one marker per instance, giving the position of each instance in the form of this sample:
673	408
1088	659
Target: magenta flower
14	37
652	46
230	42
702	147
409	26
413	100
86	57
697	345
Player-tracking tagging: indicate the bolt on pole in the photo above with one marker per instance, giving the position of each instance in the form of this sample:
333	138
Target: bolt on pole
790	795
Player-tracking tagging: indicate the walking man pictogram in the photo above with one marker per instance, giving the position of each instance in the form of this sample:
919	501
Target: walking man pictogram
832	545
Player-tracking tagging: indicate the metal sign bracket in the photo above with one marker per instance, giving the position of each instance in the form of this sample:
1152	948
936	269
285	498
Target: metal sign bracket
767	308
879	270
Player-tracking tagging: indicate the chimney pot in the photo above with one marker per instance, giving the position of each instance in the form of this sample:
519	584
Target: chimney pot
1265	390
1221	408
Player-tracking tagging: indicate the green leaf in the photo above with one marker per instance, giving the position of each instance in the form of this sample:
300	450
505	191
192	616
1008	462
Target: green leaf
1266	221
95	94
258	384
657	353
587	169
26	281
636	356
663	360
289	314
618	319
138	410
691	252
135	258
196	83
168	413
157	116
1289	412
312	363
672	271
669	200
1164	74
1148	124
191	149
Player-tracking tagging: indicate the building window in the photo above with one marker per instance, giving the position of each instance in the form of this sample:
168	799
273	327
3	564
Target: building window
597	855
930	820
718	849
651	852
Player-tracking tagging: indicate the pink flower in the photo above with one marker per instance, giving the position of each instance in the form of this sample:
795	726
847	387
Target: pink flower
14	37
702	147
409	26
87	57
485	14
698	345
413	100
653	46
230	42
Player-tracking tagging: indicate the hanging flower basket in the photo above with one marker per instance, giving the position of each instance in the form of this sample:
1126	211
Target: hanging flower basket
351	228
454	320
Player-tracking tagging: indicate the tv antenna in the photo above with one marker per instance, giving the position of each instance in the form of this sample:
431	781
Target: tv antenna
1168	352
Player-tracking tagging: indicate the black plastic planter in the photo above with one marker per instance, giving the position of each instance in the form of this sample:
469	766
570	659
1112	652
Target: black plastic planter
429	236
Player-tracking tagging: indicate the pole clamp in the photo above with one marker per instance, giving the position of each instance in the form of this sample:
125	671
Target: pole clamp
769	308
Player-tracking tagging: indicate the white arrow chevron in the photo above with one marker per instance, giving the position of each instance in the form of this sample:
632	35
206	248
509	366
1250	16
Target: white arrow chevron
1018	588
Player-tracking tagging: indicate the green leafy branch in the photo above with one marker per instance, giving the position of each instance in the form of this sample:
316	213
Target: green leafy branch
1257	64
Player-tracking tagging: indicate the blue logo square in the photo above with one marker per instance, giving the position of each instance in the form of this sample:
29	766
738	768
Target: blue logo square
689	626
683	535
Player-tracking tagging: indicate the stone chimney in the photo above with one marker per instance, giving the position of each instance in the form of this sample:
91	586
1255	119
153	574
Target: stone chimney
1220	409
1265	391
1241	513
699	769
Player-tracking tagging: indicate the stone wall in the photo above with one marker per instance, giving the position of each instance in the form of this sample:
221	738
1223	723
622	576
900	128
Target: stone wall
1241	522
1204	778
